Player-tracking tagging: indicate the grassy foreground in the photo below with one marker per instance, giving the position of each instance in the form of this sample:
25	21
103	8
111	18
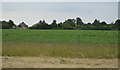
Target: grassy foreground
60	43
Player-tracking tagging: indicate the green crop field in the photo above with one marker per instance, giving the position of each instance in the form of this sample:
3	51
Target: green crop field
60	43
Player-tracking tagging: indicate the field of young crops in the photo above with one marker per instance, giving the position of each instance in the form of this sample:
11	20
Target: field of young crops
62	36
60	43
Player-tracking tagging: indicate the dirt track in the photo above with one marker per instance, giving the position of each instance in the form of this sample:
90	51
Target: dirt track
0	62
40	62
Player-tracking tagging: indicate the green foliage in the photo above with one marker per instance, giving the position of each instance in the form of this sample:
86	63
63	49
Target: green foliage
54	24
11	23
60	43
60	25
66	50
103	23
40	25
79	22
7	25
62	36
96	23
67	24
117	24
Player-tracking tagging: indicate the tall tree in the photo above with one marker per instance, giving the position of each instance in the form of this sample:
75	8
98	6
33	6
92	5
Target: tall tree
8	25
40	25
96	23
117	24
68	24
11	24
71	22
5	25
79	21
60	25
54	24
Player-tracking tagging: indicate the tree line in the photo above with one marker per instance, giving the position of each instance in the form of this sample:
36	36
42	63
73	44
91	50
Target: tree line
67	24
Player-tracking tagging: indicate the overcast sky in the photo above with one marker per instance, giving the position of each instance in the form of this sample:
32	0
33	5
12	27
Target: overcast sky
59	0
32	12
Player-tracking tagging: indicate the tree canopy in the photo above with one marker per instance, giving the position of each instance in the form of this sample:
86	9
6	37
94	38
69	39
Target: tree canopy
67	24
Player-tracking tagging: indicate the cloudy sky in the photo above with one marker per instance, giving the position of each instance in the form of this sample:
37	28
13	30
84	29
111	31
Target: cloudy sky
59	0
32	12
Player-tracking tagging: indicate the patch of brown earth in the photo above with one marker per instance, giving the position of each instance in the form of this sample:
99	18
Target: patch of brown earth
46	62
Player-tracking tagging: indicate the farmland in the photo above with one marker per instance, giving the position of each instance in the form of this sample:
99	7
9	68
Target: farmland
60	43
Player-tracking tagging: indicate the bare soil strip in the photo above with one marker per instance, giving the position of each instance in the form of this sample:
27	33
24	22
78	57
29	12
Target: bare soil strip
46	62
0	62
